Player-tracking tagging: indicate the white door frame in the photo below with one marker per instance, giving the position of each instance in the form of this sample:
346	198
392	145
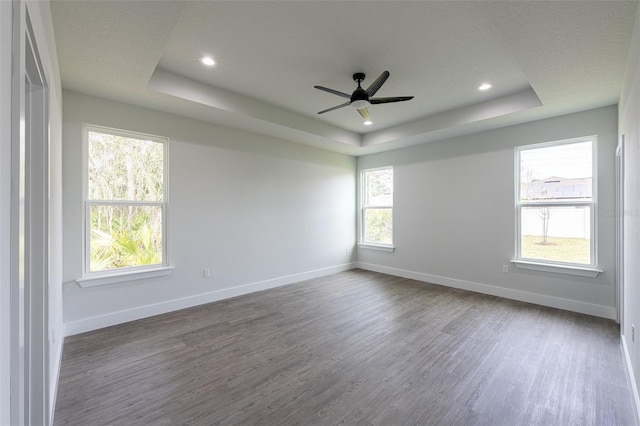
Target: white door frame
29	242
620	232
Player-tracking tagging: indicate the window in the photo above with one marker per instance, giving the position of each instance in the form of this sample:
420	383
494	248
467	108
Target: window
125	201
377	207
555	202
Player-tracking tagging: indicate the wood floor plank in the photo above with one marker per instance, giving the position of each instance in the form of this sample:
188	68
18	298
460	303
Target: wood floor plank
356	348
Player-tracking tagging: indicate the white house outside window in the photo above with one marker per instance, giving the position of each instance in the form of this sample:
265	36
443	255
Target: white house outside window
555	202
377	207
125	201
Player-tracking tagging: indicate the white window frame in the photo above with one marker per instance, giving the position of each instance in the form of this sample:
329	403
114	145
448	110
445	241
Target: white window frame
94	278
585	270
364	207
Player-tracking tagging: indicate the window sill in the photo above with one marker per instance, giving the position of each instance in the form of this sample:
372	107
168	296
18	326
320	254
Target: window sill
579	271
378	247
120	277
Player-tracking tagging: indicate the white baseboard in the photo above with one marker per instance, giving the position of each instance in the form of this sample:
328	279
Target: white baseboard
608	312
114	318
634	385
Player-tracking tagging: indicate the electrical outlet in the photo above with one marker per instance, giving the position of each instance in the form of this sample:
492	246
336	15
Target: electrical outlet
206	272
505	269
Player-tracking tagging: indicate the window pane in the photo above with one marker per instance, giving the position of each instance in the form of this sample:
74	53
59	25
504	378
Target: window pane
379	188
125	236
378	226
561	234
561	172
123	168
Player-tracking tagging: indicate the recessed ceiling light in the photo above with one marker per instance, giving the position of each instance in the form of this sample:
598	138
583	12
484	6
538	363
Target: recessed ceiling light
207	60
485	86
368	123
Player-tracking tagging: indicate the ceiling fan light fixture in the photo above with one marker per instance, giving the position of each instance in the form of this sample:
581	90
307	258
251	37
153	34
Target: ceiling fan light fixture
368	123
359	104
207	60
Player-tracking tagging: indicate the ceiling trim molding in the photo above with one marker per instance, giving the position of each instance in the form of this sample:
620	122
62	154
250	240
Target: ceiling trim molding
283	123
437	123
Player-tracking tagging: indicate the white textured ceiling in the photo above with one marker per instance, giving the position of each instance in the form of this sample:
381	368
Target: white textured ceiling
544	58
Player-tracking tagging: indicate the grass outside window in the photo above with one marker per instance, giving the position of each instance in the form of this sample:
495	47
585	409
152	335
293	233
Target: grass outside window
568	250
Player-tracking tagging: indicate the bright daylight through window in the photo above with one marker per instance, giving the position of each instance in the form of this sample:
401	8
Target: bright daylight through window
556	202
125	201
377	206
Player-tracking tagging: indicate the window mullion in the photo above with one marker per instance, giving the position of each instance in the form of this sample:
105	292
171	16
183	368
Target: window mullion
557	204
125	203
378	207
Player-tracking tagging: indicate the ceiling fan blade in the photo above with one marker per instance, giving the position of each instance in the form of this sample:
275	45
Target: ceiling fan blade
364	112
335	92
335	107
376	85
389	100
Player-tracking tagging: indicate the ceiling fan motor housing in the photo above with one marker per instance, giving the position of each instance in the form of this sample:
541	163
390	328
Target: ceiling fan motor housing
359	97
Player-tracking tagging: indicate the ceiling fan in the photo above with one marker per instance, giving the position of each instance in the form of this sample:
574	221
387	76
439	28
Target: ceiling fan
361	98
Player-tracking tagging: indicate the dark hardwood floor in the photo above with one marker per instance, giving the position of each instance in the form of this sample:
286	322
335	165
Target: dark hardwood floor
355	348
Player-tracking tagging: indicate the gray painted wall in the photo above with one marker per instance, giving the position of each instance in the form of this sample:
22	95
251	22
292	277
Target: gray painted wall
454	221
629	127
256	210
